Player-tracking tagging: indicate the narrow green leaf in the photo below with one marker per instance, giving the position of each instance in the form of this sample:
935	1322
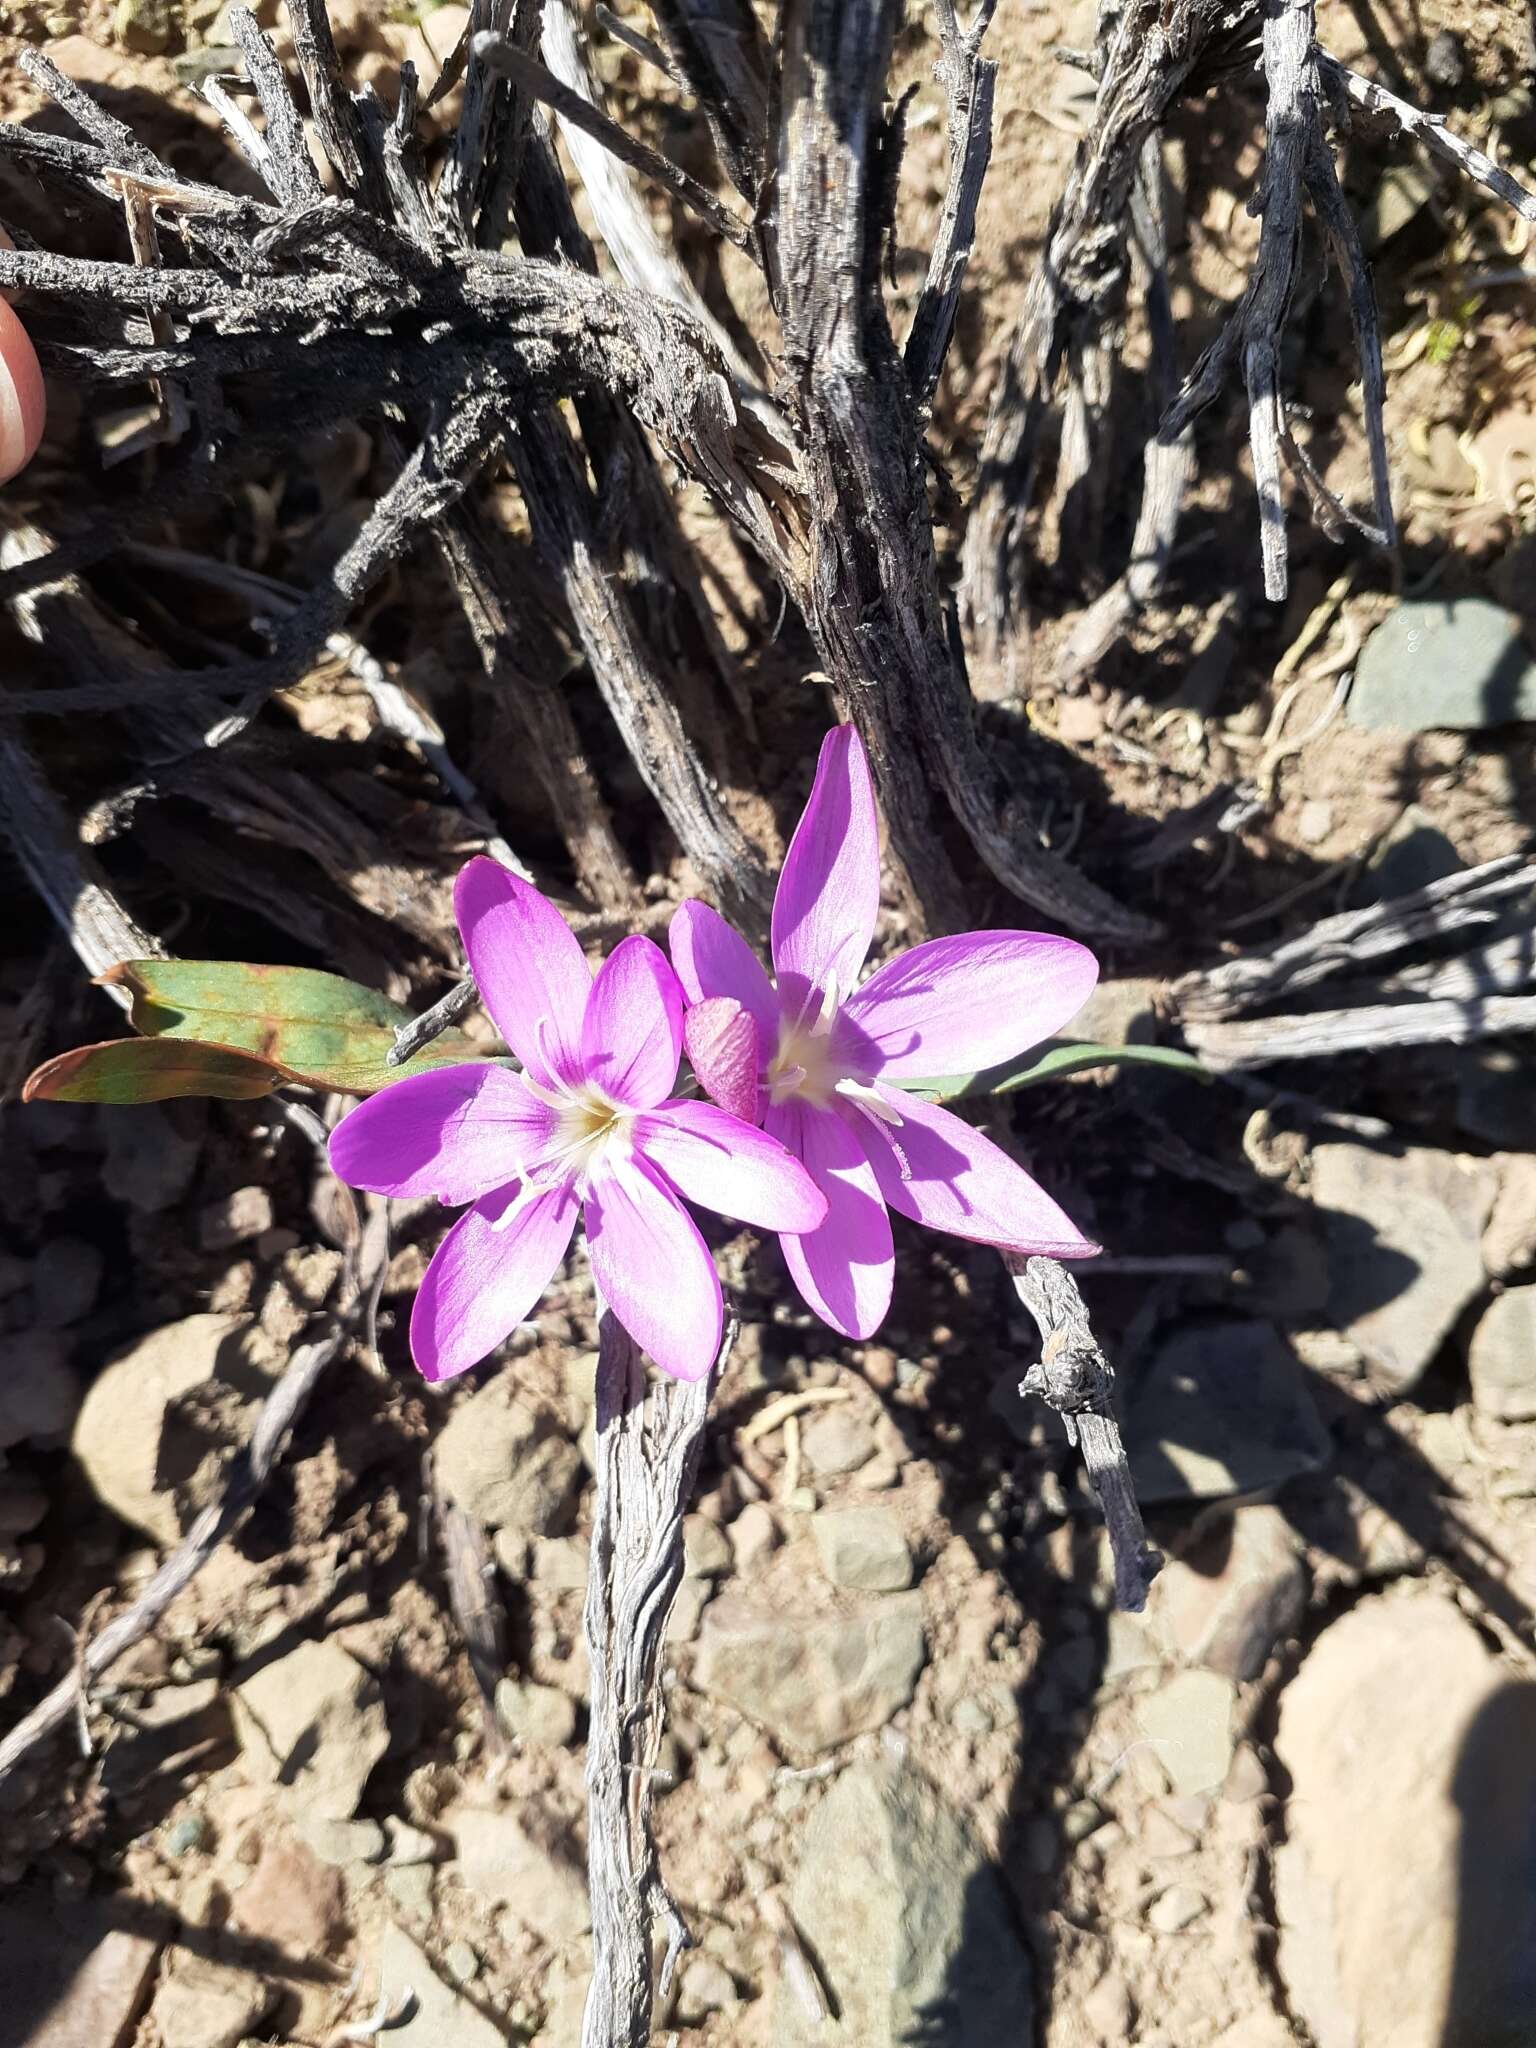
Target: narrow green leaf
313	1027
1054	1064
150	1070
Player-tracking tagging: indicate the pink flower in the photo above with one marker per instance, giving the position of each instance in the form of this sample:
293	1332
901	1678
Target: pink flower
587	1126
824	1052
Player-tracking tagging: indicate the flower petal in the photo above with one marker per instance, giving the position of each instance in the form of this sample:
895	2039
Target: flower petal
632	1038
844	1267
22	403
829	893
654	1271
455	1134
483	1282
713	959
720	1162
532	975
720	1039
957	1180
959	1005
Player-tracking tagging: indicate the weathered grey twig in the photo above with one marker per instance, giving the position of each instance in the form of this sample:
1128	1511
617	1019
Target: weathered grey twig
1297	159
248	1473
1367	1027
567	530
442	1016
1432	132
470	1572
642	258
969	81
528	73
1076	1379
298	182
47	844
1147	55
720	48
639	45
523	662
1166	465
1343	944
647	1455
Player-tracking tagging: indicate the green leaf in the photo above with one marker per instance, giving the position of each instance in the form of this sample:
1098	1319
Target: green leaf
150	1070
1054	1064
309	1026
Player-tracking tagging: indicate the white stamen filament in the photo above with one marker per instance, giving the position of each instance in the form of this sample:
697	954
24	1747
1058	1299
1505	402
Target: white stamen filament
870	1100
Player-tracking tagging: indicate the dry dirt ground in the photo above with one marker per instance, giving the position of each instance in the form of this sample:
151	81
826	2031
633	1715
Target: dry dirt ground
917	1773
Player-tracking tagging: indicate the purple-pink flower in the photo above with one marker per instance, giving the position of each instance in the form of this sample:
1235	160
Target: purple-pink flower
824	1052
587	1127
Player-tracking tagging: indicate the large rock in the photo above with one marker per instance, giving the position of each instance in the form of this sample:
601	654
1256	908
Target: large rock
439	2016
128	1436
1404	1886
312	1723
504	1461
813	1683
202	2003
1502	1357
1457	662
1228	1601
1223	1408
71	1978
910	1927
1404	1247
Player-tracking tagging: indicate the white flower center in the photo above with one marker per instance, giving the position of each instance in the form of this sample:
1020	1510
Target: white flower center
805	1067
588	1128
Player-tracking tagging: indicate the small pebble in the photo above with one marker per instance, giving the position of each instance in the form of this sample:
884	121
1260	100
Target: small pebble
188	1834
1177	1908
1082	1818
461	1962
245	1214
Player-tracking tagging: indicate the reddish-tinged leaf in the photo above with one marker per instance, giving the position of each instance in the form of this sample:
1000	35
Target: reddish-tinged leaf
150	1070
313	1027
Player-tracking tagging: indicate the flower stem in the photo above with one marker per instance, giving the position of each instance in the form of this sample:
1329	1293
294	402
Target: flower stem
647	1456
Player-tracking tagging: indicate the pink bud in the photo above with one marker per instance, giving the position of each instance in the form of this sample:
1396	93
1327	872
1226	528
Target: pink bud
22	404
720	1040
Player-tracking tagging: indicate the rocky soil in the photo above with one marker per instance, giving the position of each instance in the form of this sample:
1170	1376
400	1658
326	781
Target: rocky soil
920	1783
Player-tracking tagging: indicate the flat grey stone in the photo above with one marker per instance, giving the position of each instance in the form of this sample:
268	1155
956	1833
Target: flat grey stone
504	1461
862	1549
1404	1237
1222	1409
1457	663
1227	1602
1188	1724
312	1724
909	1925
439	2015
813	1683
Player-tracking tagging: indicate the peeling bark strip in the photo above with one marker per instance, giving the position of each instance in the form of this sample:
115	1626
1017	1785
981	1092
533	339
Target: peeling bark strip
871	592
647	1456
